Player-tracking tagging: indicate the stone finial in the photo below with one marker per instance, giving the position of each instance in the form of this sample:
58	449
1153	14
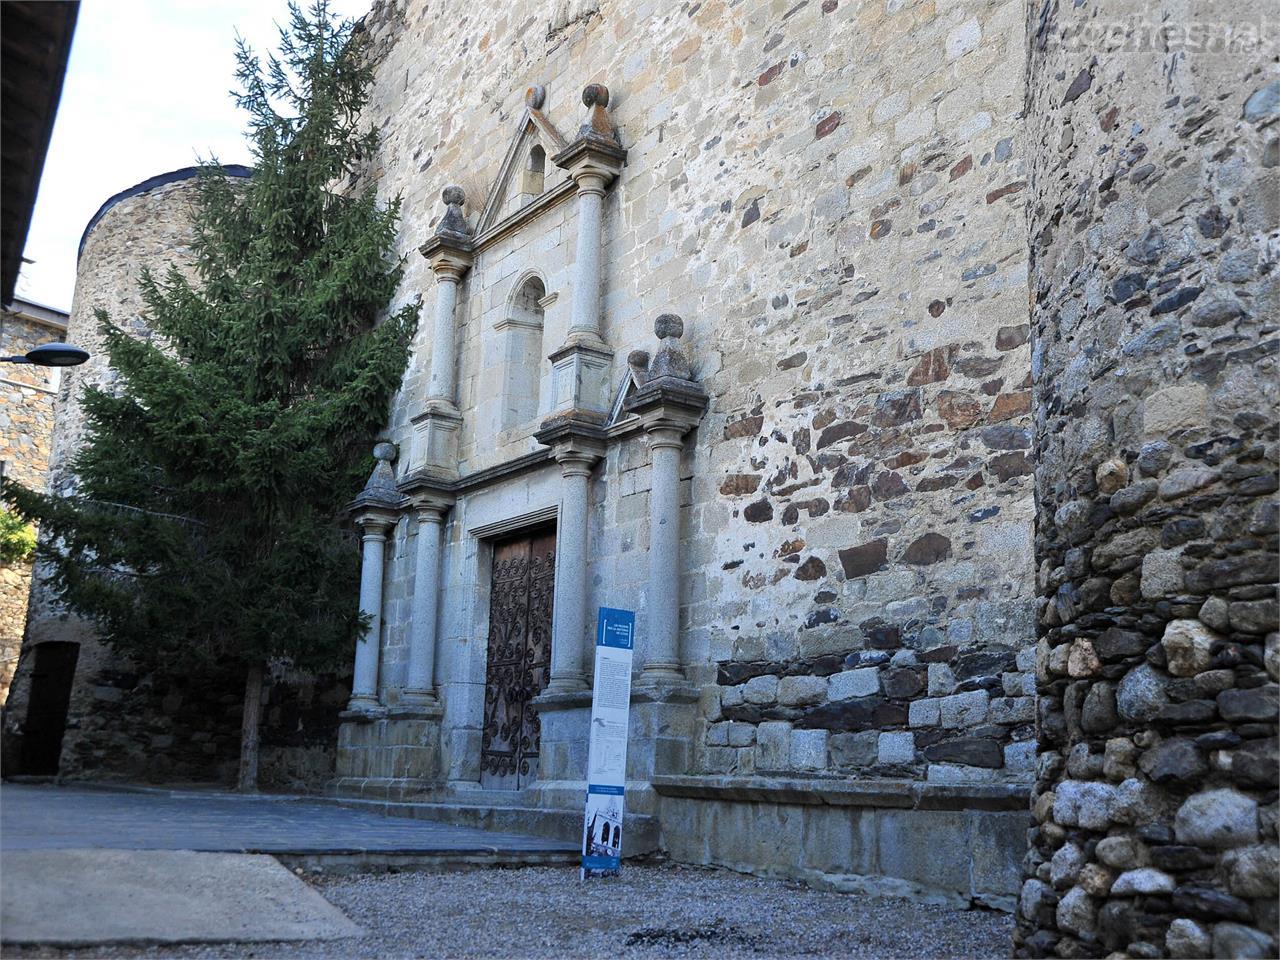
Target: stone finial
381	486
454	222
596	98
638	361
535	96
670	360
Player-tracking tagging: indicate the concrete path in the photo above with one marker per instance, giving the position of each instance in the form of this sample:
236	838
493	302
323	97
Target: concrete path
94	897
85	866
46	817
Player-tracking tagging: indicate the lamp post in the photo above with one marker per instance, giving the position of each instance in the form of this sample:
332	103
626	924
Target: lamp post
51	355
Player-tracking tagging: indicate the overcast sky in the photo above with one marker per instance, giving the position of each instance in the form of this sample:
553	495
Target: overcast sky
147	91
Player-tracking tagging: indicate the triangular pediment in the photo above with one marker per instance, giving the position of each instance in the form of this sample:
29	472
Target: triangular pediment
517	185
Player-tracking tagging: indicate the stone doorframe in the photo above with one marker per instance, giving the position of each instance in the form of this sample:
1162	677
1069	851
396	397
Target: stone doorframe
464	712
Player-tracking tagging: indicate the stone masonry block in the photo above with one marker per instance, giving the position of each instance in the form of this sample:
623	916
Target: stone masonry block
808	749
964	709
773	745
761	690
925	713
801	691
862	682
897	748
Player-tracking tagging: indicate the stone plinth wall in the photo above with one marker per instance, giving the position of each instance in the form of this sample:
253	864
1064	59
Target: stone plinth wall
957	845
1154	199
123	723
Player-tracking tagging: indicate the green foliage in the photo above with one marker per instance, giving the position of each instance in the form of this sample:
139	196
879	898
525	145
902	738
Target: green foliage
204	528
17	538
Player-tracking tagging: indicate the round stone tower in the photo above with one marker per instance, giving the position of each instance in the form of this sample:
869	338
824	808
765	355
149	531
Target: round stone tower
109	717
1155	193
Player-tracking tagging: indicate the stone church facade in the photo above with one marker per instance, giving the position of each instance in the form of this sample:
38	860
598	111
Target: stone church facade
908	368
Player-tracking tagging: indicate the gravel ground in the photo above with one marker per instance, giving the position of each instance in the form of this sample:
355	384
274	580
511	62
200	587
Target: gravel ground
659	910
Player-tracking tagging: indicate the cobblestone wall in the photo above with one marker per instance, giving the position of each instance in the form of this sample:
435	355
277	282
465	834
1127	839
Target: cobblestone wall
1154	198
26	427
831	194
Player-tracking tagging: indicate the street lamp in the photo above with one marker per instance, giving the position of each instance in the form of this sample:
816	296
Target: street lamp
51	355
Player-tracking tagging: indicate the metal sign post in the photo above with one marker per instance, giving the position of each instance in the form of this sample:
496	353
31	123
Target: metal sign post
607	747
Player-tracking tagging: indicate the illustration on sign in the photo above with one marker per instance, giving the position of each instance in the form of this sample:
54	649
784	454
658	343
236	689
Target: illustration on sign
607	747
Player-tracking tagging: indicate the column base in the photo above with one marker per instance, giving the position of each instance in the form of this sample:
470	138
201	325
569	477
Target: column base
419	698
367	706
660	673
573	683
398	744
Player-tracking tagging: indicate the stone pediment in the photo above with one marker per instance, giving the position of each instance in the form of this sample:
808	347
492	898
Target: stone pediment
524	176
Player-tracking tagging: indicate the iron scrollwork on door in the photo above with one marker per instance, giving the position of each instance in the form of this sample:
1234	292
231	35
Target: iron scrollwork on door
519	659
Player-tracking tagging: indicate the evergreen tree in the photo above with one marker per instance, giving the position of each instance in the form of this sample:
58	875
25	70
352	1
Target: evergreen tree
204	531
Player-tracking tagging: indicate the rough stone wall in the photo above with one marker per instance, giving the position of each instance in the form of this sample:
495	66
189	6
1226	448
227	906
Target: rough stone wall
1155	203
26	426
123	723
831	194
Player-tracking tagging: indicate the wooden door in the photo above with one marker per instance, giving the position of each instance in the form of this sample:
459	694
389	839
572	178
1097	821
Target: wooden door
519	658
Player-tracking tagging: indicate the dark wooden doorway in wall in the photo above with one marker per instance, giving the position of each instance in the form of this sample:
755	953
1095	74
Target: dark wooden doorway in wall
518	658
51	677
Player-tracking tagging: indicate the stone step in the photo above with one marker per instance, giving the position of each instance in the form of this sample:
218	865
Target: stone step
640	832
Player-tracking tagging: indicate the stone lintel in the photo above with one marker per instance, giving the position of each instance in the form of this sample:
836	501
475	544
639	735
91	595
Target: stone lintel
903	794
668	402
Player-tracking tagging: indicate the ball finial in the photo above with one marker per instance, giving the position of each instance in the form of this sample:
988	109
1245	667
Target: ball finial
384	450
668	325
535	96
453	195
595	93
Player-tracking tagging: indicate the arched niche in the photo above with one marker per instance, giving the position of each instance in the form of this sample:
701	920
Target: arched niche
522	353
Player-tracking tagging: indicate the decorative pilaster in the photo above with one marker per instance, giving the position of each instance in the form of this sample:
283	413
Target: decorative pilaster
375	512
669	403
594	160
577	445
449	250
431	508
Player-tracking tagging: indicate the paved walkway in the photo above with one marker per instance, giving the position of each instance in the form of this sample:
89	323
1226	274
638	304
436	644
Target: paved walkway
46	817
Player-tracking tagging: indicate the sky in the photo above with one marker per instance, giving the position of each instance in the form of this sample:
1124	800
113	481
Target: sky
147	91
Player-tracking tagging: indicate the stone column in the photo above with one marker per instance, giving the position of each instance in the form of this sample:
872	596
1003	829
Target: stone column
568	634
441	385
580	365
669	403
364	685
375	512
435	429
1153	345
427	587
662	599
585	310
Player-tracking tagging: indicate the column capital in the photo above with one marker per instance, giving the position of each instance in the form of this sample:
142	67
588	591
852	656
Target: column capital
449	259
576	440
430	506
376	522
